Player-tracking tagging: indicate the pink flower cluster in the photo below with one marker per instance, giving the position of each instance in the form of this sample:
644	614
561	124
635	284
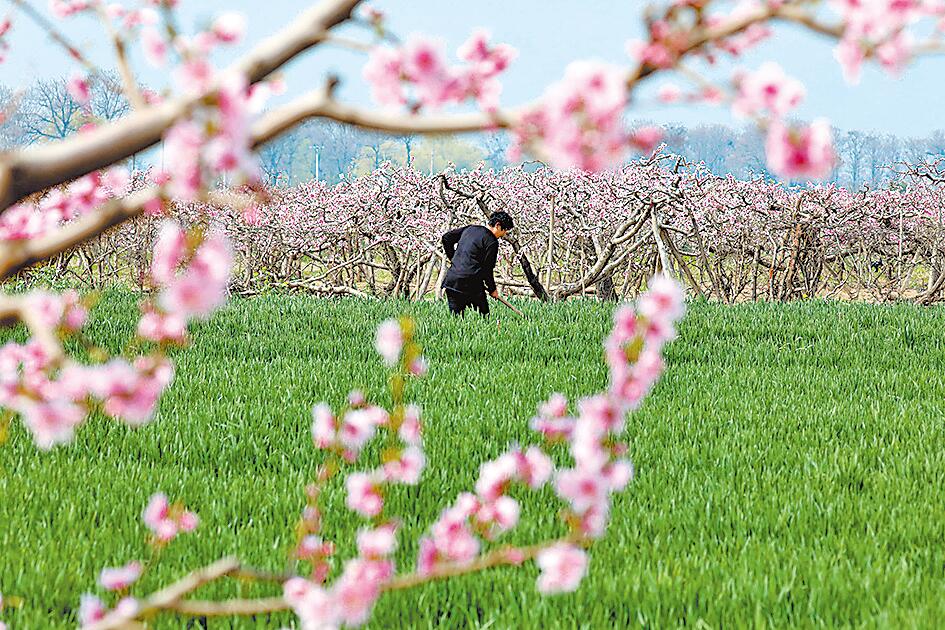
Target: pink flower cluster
579	120
193	282
768	90
365	490
93	610
66	8
26	221
53	398
663	47
215	140
801	151
456	539
418	73
488	512
795	151
634	348
53	395
389	341
351	597
166	521
120	578
880	28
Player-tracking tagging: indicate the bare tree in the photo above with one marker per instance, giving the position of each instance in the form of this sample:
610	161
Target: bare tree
49	111
853	148
408	145
341	146
12	133
108	98
496	147
277	156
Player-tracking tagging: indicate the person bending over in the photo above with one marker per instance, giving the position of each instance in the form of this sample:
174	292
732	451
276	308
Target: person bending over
472	251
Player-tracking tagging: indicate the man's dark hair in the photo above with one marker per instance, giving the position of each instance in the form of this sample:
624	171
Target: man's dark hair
501	218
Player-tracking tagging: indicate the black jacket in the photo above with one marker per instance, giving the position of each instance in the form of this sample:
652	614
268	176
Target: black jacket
472	250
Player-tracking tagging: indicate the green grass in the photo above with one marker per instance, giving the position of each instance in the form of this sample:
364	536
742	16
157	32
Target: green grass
790	464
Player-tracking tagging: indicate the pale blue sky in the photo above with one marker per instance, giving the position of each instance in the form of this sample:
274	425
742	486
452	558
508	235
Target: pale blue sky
548	34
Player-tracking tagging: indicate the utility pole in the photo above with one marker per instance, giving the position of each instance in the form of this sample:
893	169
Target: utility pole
318	149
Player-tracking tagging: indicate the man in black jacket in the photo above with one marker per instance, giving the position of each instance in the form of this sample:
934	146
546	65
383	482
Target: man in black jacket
472	251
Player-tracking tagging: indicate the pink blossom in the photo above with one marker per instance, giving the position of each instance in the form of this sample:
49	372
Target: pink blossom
154	46
767	90
117	180
324	426
156	511
130	392
196	293
166	523
359	587
601	414
182	146
230	27
424	60
410	427
52	422
503	513
618	474
162	328
670	93
25	221
389	341
453	540
562	568
356	398
78	87
535	467
582	488
801	151
316	608
553	428
895	53
364	495
188	521
494	476
383	72
194	75
646	139
140	17
377	543
418	367
358	426
120	578
711	95
555	407
63	311
407	467
593	521
91	610
663	300
849	54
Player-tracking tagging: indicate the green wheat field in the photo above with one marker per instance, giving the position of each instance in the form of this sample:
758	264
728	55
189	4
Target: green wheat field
790	465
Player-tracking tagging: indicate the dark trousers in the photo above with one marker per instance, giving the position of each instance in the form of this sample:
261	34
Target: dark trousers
464	293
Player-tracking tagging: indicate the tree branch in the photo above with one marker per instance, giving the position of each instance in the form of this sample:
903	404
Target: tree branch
37	168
